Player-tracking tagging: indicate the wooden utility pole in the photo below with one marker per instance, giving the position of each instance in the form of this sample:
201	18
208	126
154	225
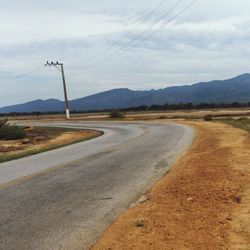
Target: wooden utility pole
64	86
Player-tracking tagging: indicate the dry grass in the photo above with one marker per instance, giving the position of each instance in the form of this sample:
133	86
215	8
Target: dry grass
186	114
242	123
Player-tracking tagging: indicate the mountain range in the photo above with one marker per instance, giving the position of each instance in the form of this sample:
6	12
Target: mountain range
236	89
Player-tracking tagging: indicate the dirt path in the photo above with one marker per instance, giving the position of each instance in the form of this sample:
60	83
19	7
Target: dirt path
202	203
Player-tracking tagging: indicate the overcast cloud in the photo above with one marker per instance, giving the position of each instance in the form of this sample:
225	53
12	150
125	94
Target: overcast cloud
211	40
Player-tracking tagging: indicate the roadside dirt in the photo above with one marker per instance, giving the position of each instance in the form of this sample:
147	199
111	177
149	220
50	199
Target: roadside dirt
202	203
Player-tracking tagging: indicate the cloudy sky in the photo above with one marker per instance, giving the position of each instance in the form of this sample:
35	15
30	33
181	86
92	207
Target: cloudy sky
139	44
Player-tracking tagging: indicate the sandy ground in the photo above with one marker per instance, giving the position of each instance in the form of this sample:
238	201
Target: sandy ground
202	203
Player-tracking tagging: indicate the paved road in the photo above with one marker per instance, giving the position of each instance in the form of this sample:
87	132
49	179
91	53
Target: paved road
65	198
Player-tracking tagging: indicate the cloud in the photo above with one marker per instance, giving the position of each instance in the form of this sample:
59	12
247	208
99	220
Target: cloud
210	41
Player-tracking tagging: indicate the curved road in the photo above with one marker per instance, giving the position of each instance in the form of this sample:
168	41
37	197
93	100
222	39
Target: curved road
65	198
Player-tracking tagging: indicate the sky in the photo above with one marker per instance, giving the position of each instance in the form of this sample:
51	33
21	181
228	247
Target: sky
136	44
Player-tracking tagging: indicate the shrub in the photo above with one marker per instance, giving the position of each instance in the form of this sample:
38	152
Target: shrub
9	132
139	223
208	118
3	122
163	117
242	119
117	114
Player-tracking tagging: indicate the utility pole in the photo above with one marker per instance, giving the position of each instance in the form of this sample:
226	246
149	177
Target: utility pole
64	85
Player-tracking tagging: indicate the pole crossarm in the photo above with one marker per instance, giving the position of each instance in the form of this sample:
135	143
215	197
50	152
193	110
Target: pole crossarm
53	63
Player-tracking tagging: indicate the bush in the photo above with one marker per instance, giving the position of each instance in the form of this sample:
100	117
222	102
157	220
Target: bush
9	132
3	122
163	117
242	119
117	114
139	223
208	118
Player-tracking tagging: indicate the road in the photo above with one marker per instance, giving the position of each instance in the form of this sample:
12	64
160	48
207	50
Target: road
65	198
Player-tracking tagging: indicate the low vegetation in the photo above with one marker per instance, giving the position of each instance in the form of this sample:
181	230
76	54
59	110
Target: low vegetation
162	117
117	114
242	123
208	118
11	132
41	139
139	223
188	106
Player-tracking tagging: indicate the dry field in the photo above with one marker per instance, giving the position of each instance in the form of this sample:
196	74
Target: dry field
144	115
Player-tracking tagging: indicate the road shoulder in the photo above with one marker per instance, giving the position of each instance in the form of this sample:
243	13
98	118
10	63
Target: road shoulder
202	203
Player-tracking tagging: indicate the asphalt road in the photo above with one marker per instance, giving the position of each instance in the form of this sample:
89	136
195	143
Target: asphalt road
65	198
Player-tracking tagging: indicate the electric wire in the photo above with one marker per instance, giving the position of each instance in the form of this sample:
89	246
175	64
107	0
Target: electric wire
27	73
155	31
130	45
150	14
138	36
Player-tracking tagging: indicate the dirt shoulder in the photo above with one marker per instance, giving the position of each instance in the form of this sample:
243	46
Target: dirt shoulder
202	203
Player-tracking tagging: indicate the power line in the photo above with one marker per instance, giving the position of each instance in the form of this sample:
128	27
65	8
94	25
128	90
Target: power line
19	76
128	32
155	31
141	34
27	73
131	44
128	48
150	27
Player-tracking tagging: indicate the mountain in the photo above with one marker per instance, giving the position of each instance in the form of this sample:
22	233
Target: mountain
236	89
35	106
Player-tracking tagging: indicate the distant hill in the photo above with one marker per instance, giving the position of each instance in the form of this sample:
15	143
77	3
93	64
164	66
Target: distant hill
236	89
35	106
